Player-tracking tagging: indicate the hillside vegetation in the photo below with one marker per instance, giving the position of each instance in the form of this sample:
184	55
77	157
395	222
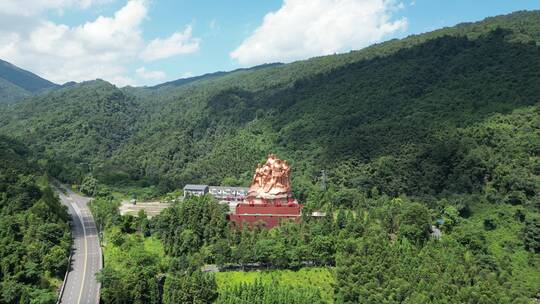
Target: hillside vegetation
320	279
391	106
10	92
34	233
80	125
438	129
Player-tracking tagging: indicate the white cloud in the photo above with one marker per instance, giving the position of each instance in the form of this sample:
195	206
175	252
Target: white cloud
103	48
302	29
177	44
143	73
34	7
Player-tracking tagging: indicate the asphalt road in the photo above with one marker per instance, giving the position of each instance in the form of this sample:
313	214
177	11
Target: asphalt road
81	286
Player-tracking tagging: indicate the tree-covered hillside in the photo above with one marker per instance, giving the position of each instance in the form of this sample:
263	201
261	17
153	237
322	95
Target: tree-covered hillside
78	126
10	92
438	129
34	233
385	117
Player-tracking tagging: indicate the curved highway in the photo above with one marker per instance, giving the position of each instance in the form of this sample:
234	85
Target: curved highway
81	286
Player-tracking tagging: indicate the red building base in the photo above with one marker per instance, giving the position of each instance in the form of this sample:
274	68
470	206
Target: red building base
270	214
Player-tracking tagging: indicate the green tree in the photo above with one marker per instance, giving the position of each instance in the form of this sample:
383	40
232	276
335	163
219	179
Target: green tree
89	185
195	287
415	222
531	233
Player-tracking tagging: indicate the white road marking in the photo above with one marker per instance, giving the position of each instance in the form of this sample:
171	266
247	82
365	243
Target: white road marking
79	209
85	250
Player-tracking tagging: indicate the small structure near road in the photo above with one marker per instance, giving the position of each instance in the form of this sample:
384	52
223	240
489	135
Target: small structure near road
195	190
225	193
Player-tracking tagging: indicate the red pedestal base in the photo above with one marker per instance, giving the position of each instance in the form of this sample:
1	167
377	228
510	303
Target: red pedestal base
270	213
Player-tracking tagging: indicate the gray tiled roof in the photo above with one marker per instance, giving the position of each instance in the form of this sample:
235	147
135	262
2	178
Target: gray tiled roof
195	187
228	188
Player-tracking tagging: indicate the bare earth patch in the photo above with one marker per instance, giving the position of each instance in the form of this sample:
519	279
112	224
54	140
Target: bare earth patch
151	208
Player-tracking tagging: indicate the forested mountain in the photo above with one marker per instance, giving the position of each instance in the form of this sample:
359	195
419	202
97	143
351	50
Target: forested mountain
34	233
10	93
393	107
80	123
440	129
188	80
16	83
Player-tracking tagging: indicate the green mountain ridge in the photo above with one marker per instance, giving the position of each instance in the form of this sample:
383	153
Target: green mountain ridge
523	23
441	128
396	98
209	76
16	83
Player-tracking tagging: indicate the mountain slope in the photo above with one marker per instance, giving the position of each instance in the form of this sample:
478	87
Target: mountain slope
379	110
208	76
79	124
34	230
16	83
384	106
10	92
439	129
523	26
22	78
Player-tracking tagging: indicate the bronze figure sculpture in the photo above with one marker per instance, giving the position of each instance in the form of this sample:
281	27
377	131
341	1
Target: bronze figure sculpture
271	180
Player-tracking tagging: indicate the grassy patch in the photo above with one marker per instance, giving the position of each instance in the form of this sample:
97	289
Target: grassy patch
139	193
154	246
116	257
320	278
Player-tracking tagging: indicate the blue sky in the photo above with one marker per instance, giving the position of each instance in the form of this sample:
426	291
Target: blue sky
153	41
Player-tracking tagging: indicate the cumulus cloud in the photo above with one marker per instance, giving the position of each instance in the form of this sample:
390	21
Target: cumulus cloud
177	44
96	49
302	29
143	73
34	7
102	48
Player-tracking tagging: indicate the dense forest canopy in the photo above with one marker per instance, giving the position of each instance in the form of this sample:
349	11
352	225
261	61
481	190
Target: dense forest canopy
34	233
440	129
395	106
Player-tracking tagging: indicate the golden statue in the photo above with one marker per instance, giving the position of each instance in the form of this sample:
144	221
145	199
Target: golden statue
271	180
